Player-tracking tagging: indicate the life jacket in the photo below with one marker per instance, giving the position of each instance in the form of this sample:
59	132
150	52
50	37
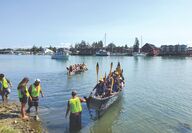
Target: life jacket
35	92
4	83
26	92
75	105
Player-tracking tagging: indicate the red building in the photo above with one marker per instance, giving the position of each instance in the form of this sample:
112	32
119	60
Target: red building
150	49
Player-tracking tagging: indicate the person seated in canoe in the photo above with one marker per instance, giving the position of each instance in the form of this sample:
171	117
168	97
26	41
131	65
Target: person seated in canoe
116	82
122	83
100	88
108	92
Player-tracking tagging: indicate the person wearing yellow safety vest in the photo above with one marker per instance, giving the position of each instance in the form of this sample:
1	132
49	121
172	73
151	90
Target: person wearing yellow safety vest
5	87
23	95
75	108
34	91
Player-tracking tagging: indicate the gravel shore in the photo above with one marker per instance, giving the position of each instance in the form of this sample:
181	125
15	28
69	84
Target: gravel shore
11	122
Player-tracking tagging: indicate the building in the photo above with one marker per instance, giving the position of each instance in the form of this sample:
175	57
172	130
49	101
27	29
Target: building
150	49
189	51
48	51
6	51
173	49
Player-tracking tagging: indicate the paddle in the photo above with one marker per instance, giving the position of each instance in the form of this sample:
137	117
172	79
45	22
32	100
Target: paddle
119	65
111	67
88	99
97	70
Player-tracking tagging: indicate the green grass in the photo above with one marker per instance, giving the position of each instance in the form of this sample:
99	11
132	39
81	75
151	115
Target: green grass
7	129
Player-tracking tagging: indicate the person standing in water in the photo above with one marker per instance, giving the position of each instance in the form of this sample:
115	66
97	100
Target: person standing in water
75	108
34	91
5	87
23	96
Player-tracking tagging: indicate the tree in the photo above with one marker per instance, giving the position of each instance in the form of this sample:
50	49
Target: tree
82	45
136	45
111	45
100	44
34	49
41	49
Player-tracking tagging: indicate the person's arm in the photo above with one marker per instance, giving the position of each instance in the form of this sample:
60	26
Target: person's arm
96	87
82	99
9	82
30	90
68	109
23	91
41	93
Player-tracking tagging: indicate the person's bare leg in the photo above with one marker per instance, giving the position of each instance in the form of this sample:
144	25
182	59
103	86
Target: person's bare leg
24	116
36	108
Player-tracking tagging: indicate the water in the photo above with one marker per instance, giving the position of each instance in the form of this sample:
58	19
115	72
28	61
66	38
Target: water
157	97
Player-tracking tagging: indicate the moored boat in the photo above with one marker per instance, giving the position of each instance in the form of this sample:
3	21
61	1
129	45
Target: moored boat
61	54
102	52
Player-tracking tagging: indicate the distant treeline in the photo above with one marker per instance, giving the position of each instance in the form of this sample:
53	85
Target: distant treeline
34	49
84	48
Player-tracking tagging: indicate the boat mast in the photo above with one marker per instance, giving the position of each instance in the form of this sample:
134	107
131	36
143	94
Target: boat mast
141	43
105	40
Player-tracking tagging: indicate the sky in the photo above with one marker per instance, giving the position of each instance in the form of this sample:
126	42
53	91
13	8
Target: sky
24	23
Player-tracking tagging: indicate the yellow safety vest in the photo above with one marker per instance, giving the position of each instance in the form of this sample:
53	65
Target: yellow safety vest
75	105
5	83
26	91
35	92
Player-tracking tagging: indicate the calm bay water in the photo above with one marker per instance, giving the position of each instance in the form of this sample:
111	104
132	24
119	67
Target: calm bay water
157	97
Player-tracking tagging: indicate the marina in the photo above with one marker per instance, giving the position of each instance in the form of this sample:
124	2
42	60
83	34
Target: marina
96	66
148	103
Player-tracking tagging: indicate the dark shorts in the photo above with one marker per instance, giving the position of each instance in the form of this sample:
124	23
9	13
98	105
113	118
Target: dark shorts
5	92
34	102
75	122
23	100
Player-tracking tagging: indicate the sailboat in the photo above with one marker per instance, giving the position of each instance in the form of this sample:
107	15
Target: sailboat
136	49
103	52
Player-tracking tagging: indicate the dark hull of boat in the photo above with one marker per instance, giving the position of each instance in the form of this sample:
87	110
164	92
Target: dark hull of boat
102	104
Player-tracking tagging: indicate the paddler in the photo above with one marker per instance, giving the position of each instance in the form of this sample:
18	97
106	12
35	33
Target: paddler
23	96
75	108
100	88
5	87
34	91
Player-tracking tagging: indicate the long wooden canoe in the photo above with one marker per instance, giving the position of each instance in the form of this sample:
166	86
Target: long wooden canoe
100	105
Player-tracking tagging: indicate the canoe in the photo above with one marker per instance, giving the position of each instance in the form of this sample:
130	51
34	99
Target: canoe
77	71
100	105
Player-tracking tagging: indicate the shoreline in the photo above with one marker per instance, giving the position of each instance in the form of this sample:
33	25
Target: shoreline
10	120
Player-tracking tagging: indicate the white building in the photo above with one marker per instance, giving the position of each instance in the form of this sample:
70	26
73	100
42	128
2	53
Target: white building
48	51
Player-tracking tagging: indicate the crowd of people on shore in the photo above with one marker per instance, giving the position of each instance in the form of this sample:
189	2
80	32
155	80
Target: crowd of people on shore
30	96
109	85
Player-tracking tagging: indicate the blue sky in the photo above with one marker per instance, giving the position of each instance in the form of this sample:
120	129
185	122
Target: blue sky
24	23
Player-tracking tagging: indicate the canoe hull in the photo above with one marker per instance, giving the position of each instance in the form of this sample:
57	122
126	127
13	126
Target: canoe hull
101	104
76	72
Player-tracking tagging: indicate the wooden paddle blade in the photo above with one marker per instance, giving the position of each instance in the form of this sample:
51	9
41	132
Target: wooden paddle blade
97	68
111	67
119	65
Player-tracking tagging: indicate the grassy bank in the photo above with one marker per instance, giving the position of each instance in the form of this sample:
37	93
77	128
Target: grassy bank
10	121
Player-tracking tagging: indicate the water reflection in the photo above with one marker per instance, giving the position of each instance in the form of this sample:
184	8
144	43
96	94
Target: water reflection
105	123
